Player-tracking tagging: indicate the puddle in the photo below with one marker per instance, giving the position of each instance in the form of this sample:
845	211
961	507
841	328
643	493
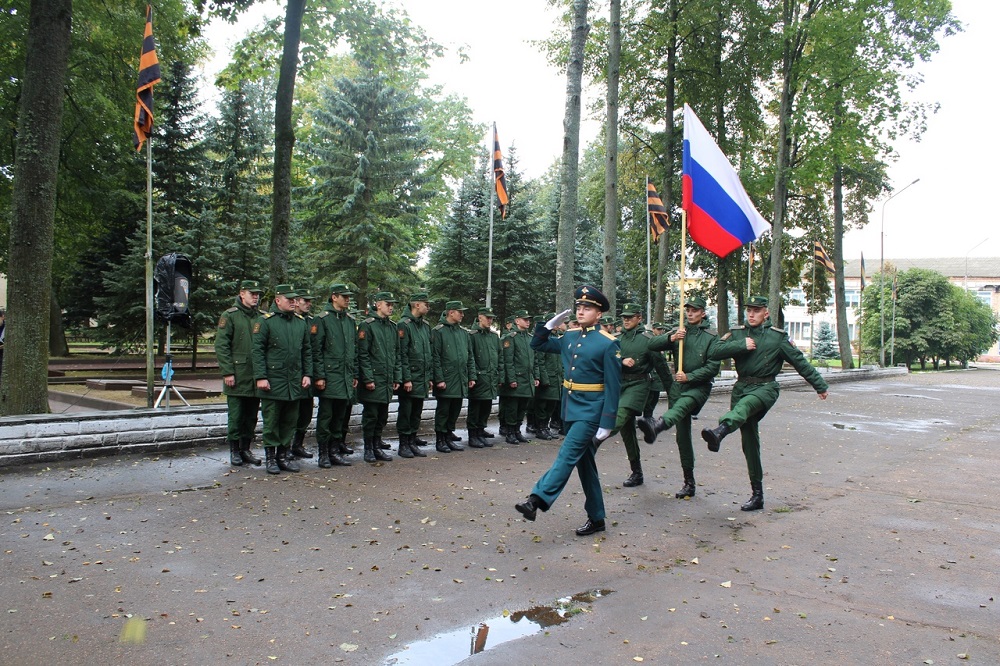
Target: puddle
454	646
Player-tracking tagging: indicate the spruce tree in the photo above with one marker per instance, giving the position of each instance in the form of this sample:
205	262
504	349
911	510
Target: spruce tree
826	343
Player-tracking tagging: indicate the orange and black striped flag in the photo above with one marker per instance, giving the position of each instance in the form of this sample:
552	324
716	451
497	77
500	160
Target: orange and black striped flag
501	177
862	271
658	218
823	258
149	75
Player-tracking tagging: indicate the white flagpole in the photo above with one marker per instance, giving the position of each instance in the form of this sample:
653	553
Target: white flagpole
493	198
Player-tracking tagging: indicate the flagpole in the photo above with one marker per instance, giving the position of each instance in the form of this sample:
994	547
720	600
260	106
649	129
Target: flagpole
812	315
493	197
680	343
150	352
649	264
749	269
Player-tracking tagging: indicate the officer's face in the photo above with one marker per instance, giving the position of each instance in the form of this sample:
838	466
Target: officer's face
419	308
522	323
756	316
694	315
631	321
587	314
284	304
303	305
456	316
384	308
340	301
249	299
485	322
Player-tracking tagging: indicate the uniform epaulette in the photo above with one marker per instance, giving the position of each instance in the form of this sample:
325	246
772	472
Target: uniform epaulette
369	320
232	309
779	330
512	333
609	336
439	327
300	316
712	332
350	316
267	315
467	330
736	328
648	334
324	313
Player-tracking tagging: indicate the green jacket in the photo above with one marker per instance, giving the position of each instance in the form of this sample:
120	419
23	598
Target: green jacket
637	344
700	343
452	360
415	353
282	354
549	371
486	354
517	364
335	356
378	359
233	348
764	363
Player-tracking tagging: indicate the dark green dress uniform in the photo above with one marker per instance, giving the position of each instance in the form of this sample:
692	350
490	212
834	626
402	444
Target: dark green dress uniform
415	366
662	377
687	398
282	354
756	388
486	354
548	370
306	405
517	366
592	368
336	364
378	364
233	346
453	366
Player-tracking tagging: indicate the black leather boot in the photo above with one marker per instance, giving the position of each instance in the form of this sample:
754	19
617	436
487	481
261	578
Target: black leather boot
338	447
510	438
441	445
688	489
271	453
635	478
404	447
324	455
520	437
454	437
245	452
369	450
483	437
419	442
486	433
650	428
285	460
530	506
235	459
298	446
756	501
503	430
714	436
475	441
381	444
531	427
379	449
543	433
449	438
414	448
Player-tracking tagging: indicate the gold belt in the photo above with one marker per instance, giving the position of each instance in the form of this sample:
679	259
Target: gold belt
577	386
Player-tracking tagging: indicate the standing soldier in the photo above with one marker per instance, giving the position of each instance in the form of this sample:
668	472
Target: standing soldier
336	369
454	375
548	369
517	377
691	388
233	346
486	355
638	363
282	364
415	364
379	373
303	307
592	366
759	351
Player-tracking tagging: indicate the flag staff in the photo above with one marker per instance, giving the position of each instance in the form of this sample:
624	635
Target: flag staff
493	198
649	264
812	313
683	286
150	351
749	269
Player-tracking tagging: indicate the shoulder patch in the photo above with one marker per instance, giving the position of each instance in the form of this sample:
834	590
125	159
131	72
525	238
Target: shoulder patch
256	327
222	321
350	316
609	336
300	316
711	331
233	309
402	333
361	334
513	332
314	329
506	343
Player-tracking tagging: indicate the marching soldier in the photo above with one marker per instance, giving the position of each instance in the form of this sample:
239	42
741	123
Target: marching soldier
415	365
486	354
592	367
303	306
379	373
517	377
690	389
282	364
334	333
233	346
454	371
657	385
759	351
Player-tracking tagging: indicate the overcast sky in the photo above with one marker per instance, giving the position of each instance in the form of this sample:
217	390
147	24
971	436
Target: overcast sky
946	214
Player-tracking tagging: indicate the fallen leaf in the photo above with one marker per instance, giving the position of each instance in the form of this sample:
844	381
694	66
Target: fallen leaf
728	583
348	647
49	537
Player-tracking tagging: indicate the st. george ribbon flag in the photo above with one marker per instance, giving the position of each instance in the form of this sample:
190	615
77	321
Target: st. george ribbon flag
720	215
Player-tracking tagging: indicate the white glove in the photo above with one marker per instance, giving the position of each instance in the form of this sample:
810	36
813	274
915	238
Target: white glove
558	320
602	434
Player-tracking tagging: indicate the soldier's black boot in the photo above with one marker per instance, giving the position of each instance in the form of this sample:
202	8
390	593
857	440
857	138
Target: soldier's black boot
509	436
369	450
235	459
404	447
379	451
271	453
454	437
475	441
245	452
298	446
483	437
453	444
503	430
517	434
380	444
531	427
416	441
714	436
756	501
339	447
324	455
286	463
441	445
486	433
414	448
650	428
688	489
635	478
530	506
542	433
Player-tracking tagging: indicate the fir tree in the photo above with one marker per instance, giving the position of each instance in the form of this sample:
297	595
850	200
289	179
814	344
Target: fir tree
826	343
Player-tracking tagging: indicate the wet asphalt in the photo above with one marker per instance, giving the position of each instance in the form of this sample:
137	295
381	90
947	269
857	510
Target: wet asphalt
878	544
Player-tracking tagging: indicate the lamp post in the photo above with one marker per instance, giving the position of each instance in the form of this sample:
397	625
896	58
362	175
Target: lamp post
881	273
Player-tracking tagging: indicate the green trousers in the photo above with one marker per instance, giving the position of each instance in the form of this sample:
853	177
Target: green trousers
513	409
625	424
479	413
241	421
408	416
305	415
446	414
747	406
279	417
331	420
374	416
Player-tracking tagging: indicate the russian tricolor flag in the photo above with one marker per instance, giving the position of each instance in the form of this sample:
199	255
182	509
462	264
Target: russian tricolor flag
720	215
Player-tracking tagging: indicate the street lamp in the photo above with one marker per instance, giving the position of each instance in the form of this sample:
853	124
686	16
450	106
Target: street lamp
881	272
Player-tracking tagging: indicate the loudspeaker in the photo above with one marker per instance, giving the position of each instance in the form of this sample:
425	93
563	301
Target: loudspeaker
171	281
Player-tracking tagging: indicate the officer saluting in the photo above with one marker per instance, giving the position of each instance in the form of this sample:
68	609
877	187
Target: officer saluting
759	351
592	369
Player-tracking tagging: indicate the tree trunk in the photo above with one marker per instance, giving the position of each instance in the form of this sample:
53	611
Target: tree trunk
781	168
670	151
569	185
57	335
840	293
24	386
284	140
612	213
